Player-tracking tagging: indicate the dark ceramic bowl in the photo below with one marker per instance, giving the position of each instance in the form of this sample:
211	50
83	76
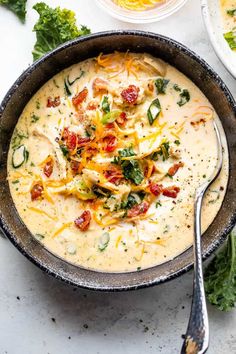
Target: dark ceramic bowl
70	53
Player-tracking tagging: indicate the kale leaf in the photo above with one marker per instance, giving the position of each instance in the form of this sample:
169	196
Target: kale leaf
54	27
16	6
220	277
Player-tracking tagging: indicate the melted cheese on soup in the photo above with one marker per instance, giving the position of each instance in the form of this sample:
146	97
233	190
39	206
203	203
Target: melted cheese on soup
105	160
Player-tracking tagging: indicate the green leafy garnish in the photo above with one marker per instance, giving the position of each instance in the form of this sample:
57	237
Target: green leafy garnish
153	111
16	6
176	88
162	151
231	12
184	97
132	171
18	138
127	152
133	199
131	168
54	27
64	150
230	38
110	117
105	105
161	85
177	142
220	277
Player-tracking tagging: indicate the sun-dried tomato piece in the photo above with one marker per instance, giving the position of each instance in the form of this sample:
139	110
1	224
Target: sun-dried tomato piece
48	167
83	221
138	209
156	189
80	97
110	126
113	175
82	141
36	191
130	94
71	141
174	169
110	142
53	102
122	119
171	191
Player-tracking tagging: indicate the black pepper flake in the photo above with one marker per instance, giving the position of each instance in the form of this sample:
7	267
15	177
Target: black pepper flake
18	297
53	319
85	326
221	188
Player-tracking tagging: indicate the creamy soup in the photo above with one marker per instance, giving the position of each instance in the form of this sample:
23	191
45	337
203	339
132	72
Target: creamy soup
105	160
228	10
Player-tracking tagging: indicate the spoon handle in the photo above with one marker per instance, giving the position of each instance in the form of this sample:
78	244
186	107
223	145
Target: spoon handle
197	336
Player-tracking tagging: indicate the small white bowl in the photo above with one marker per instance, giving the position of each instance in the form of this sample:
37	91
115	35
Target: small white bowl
213	22
152	15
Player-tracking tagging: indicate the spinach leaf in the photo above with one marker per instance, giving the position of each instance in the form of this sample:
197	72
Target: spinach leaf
105	105
161	85
54	27
231	12
132	171
230	38
184	97
133	199
131	168
127	152
153	111
16	6
162	151
220	277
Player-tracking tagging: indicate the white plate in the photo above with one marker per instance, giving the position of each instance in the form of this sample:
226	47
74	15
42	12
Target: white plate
213	22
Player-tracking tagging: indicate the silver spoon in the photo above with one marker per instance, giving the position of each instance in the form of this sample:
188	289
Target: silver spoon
197	335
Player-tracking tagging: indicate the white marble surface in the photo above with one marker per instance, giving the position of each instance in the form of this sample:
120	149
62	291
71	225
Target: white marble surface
39	315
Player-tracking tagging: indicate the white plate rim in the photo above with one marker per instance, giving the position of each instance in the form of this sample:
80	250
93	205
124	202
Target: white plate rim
222	54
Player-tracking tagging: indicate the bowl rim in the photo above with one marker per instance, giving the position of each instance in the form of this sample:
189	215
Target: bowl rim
154	281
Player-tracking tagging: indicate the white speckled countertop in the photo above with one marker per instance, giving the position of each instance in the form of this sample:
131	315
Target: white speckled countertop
39	315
